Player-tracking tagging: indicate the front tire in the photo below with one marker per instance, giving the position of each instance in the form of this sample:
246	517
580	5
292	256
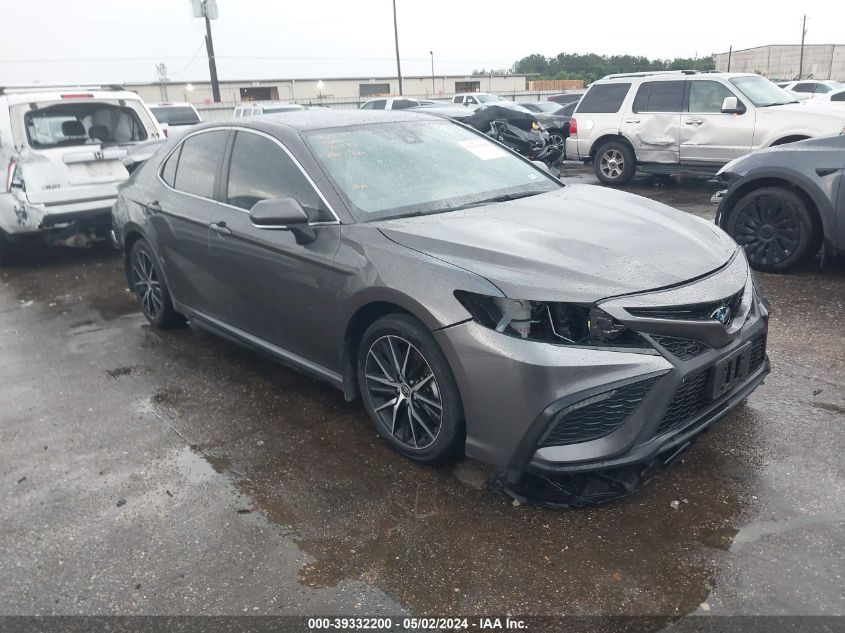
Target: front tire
149	287
409	391
615	163
776	228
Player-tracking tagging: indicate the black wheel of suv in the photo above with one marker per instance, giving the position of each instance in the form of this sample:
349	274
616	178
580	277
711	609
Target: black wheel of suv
149	287
409	391
775	227
615	163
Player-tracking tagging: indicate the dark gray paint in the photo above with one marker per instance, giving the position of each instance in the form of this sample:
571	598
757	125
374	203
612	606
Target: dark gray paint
581	243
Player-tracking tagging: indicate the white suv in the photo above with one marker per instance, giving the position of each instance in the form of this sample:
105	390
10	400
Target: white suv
63	152
476	98
395	103
686	122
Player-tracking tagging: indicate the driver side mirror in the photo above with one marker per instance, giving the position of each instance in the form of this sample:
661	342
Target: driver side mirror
285	214
732	105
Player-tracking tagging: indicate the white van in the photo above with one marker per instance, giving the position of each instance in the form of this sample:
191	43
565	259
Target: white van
63	152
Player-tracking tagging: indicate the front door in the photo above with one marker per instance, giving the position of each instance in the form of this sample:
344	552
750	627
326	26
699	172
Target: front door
707	134
273	288
180	217
654	121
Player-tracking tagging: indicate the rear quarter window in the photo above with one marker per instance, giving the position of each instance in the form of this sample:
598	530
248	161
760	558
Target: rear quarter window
604	98
659	96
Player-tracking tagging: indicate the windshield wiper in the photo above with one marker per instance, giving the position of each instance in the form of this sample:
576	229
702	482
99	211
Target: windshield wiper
502	198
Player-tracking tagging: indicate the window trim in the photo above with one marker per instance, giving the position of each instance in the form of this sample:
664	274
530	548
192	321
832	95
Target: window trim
688	90
226	160
178	146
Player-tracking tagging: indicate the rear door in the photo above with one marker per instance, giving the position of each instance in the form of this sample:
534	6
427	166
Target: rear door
654	122
181	213
708	135
273	288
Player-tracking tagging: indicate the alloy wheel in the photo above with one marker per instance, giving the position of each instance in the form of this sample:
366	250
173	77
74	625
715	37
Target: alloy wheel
147	285
556	141
769	229
612	164
404	392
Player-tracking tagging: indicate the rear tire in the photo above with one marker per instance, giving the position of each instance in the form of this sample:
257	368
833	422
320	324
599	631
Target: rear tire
150	288
776	228
615	163
409	391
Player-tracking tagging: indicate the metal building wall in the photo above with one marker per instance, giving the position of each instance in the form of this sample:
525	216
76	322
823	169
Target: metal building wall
821	61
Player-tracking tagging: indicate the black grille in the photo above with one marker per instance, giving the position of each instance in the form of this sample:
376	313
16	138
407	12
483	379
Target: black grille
604	414
689	400
691	312
683	348
691	397
758	353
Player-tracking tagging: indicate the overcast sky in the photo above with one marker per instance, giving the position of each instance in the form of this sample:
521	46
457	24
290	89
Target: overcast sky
122	40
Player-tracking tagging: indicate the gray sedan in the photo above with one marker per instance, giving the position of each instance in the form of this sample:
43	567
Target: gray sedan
476	305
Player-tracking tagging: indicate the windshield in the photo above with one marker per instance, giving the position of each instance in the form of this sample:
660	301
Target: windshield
762	92
391	170
84	123
175	115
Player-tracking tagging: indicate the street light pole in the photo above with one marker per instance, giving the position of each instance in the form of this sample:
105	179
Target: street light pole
433	89
801	59
396	36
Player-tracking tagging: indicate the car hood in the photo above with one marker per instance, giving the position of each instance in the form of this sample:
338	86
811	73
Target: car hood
580	244
833	112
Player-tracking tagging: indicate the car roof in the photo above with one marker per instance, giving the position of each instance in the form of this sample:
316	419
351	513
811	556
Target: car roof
39	96
669	75
306	120
172	104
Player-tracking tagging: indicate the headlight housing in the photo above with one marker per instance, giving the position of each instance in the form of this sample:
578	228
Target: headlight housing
549	322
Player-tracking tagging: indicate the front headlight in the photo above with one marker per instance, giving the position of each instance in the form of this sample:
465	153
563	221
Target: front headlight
549	322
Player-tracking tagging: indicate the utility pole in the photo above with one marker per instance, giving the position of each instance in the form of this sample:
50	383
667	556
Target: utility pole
207	9
161	75
433	90
730	52
396	36
801	59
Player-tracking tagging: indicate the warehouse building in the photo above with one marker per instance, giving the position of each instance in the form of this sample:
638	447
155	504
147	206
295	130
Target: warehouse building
782	62
330	91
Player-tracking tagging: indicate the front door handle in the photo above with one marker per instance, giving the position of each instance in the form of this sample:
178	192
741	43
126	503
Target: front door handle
632	120
694	121
220	228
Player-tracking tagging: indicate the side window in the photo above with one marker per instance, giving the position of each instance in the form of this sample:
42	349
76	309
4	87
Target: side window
378	104
823	88
839	96
604	98
168	172
198	162
707	96
368	106
472	100
262	170
401	104
803	87
456	99
660	96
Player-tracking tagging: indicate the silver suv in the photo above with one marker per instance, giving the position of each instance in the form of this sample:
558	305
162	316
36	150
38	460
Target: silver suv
687	122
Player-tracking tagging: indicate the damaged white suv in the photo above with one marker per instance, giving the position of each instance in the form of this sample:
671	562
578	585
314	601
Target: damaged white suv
687	122
63	152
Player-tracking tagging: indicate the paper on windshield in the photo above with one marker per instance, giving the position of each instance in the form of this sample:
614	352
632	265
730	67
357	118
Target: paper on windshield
483	149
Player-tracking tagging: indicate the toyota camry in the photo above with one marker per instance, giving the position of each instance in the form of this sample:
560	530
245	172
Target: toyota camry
474	303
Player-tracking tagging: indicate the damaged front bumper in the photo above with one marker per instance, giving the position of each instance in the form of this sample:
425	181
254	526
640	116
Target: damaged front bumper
556	410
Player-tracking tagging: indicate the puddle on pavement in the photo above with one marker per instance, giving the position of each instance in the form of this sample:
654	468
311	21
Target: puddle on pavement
435	538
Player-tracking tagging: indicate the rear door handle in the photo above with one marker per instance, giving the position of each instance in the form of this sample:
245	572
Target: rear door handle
632	120
694	121
220	228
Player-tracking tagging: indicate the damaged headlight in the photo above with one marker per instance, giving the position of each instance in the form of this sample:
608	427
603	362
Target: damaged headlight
549	322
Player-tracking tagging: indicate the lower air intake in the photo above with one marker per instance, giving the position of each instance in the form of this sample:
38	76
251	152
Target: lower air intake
598	415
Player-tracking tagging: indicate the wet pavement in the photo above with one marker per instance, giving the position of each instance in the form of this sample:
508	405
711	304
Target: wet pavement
148	472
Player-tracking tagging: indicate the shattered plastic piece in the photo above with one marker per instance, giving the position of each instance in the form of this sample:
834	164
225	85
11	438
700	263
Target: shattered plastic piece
675	504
